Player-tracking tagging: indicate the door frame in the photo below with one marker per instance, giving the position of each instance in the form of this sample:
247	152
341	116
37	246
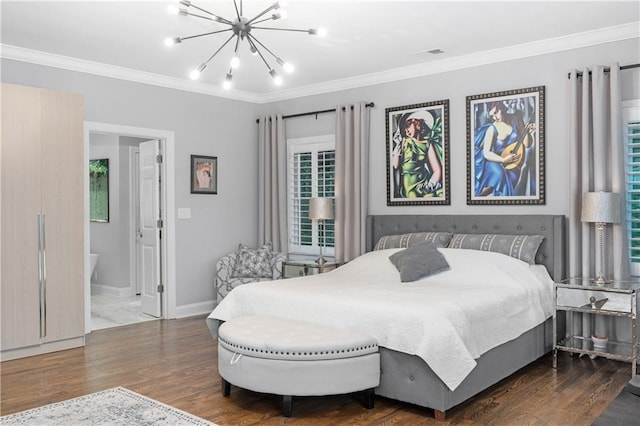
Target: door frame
168	242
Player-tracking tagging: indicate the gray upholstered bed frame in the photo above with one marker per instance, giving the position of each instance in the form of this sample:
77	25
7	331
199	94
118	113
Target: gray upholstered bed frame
407	377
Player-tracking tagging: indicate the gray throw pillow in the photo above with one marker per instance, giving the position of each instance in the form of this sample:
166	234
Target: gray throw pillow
522	247
439	239
419	260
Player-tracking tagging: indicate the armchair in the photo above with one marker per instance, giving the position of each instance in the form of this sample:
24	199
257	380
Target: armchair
230	273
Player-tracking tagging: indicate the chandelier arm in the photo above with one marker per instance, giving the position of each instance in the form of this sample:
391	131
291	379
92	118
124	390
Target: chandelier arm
264	20
218	17
204	34
251	40
265	48
259	15
195	15
280	29
235	51
238	12
219	49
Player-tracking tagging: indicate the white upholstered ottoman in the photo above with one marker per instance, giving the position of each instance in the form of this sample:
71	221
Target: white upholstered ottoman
293	358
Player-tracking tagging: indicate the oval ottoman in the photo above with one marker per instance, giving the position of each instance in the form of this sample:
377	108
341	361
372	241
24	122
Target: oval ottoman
294	358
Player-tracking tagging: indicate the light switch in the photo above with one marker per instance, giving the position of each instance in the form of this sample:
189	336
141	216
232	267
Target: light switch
184	213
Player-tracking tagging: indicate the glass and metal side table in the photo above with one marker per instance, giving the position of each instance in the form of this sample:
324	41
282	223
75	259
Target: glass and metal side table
292	269
582	296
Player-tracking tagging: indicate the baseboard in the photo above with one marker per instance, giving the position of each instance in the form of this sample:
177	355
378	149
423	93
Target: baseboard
112	291
59	345
201	308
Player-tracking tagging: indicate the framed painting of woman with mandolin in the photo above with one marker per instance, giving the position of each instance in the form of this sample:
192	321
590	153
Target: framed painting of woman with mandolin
505	147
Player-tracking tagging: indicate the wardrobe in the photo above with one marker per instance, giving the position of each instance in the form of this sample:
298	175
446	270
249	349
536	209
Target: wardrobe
41	222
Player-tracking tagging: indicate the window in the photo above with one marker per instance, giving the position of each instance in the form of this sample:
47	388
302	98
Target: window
311	173
632	136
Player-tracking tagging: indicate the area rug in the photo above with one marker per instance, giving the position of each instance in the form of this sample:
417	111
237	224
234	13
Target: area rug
624	410
117	406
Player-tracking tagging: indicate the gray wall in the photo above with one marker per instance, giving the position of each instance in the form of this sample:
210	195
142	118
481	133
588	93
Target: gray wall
225	128
545	70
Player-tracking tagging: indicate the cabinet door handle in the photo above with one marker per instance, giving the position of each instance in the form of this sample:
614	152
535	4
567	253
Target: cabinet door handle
42	274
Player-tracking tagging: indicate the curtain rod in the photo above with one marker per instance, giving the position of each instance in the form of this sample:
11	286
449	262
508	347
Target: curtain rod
622	68
302	114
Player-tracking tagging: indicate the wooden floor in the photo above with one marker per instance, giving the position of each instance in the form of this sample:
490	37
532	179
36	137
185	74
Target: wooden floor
175	362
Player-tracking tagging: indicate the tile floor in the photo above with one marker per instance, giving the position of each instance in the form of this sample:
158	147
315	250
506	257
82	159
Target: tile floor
110	311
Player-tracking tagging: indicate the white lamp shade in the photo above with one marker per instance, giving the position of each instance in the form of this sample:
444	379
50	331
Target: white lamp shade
601	207
320	208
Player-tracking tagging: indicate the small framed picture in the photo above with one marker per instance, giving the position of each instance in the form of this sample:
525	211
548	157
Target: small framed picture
418	154
204	174
505	147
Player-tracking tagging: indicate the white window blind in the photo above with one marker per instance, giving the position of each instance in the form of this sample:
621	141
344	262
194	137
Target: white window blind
311	164
632	132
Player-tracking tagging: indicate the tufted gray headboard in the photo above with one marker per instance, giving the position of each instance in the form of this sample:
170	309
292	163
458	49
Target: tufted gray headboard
551	254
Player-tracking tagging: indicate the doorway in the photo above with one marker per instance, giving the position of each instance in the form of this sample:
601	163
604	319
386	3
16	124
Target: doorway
116	280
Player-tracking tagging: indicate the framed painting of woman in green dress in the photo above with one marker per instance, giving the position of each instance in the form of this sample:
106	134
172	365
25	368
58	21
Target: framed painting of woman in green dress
418	154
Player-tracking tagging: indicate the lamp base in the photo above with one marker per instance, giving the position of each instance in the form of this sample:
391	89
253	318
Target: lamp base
601	280
321	260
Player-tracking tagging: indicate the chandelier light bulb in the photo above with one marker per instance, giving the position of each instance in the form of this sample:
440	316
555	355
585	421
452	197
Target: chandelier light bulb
170	41
235	62
195	74
288	67
322	32
253	50
276	78
172	9
283	14
226	84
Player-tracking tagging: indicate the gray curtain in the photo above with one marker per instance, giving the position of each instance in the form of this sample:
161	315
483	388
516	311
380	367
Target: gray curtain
597	164
351	180
272	183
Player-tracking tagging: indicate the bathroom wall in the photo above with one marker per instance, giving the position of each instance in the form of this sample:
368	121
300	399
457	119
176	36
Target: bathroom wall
111	240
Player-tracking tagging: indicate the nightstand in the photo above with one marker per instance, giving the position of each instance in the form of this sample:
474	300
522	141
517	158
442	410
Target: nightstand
582	295
291	269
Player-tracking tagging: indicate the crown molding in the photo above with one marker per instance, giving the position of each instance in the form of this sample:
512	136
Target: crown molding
573	41
559	44
21	54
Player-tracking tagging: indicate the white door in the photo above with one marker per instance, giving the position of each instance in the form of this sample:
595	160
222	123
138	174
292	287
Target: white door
150	216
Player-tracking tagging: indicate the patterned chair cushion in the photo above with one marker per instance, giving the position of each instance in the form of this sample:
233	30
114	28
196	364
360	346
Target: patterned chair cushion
253	263
224	282
523	247
438	239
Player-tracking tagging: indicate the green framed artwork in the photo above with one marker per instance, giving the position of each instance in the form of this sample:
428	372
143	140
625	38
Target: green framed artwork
418	154
99	190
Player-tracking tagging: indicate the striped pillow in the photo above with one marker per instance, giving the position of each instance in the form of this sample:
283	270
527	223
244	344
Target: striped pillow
438	239
522	247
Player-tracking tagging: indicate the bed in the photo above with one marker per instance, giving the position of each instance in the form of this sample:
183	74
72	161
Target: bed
406	375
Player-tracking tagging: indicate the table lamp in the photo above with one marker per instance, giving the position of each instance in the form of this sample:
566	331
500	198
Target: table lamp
321	209
601	208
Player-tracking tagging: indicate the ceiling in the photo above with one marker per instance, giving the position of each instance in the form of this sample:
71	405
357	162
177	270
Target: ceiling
367	41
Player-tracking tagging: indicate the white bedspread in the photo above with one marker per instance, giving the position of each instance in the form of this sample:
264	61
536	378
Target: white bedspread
448	319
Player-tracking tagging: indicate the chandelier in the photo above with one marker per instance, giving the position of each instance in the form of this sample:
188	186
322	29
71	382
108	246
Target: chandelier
241	28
